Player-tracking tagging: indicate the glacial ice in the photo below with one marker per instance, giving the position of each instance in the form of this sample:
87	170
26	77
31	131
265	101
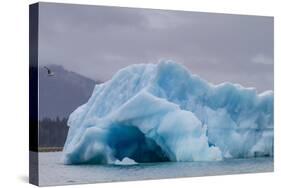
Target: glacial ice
162	112
125	161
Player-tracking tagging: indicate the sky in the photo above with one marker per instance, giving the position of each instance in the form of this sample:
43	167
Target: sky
97	41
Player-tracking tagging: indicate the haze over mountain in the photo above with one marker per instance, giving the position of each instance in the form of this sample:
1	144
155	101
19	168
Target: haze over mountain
62	93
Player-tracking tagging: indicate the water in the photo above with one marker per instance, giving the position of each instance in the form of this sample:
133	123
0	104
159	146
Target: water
53	172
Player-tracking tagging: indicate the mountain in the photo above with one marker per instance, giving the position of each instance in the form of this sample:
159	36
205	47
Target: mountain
62	93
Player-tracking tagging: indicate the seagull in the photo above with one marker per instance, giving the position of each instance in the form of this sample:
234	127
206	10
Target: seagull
50	73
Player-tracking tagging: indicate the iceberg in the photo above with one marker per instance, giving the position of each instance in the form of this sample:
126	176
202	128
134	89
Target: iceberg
125	161
163	112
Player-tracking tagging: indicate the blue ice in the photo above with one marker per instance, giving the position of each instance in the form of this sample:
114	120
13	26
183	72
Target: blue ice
163	112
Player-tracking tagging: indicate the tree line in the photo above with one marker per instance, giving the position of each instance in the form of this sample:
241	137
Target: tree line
52	132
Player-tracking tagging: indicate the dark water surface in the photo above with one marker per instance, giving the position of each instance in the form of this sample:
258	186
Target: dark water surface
53	172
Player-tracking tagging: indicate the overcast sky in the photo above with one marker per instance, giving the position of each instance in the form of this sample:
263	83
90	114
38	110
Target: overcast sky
97	41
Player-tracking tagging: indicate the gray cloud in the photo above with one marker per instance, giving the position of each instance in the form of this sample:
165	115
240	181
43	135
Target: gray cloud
262	59
97	41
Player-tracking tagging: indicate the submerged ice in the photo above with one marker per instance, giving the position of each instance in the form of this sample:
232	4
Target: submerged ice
162	112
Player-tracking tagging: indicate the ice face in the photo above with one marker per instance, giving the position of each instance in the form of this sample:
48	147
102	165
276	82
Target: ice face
162	112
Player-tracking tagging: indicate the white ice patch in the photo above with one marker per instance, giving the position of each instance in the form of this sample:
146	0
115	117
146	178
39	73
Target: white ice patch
126	161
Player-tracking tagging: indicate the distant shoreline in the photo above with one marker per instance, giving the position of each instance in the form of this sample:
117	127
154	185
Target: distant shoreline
50	149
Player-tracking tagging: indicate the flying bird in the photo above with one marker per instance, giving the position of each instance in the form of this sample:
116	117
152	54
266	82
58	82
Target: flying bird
50	73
